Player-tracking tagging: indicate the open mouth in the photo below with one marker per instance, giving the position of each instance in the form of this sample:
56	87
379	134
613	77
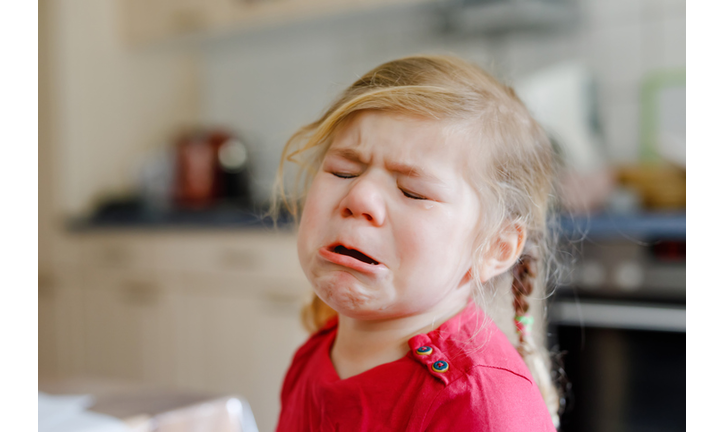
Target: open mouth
339	249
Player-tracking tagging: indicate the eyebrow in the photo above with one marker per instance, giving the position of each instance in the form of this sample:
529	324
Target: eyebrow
398	167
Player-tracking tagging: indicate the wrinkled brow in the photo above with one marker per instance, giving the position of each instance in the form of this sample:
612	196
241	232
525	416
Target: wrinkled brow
398	167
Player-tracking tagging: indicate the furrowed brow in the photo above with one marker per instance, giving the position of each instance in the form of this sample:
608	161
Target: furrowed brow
412	171
346	153
398	167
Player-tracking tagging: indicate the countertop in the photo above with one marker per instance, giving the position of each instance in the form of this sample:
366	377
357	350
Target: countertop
643	225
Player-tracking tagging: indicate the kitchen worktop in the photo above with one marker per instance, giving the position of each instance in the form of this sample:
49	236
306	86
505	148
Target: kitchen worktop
641	225
632	226
211	218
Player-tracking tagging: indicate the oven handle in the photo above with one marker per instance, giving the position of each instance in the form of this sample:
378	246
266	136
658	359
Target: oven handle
619	316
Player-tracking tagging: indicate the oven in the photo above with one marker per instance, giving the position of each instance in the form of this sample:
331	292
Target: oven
619	323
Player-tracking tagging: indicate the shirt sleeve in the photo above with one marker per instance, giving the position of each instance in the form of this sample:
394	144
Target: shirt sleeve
492	400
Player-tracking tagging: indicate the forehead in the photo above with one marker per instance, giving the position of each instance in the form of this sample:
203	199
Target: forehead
385	137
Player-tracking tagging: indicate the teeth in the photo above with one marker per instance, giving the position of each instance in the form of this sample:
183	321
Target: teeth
354	254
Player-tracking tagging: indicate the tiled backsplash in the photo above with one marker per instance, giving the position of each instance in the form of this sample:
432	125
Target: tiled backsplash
266	84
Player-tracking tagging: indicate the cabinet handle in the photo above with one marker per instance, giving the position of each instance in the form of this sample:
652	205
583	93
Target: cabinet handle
286	304
140	293
46	285
188	20
280	298
240	259
114	255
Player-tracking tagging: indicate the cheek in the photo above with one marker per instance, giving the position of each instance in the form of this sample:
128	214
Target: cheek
421	241
437	245
308	228
315	219
314	208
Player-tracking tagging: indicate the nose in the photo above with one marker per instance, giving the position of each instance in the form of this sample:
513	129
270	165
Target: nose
364	200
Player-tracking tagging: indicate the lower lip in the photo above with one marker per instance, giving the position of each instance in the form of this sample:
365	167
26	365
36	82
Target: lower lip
349	262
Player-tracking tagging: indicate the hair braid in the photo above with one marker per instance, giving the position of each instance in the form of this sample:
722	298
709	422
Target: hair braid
525	273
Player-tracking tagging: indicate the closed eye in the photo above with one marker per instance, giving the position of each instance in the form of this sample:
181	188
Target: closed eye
404	192
412	195
343	175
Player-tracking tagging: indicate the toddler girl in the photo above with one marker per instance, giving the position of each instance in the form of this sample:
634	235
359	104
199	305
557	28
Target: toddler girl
428	181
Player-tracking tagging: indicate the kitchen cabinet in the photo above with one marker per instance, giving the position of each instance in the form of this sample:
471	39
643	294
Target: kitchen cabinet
149	21
47	341
214	310
60	340
127	327
238	336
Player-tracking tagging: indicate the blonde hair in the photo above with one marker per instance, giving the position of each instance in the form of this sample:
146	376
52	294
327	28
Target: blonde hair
515	169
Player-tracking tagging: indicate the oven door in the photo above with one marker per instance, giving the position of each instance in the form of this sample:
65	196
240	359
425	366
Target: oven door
626	364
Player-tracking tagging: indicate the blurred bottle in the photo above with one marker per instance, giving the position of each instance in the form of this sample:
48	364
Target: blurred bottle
156	181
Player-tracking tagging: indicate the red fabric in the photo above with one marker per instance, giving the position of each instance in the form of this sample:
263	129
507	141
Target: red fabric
486	388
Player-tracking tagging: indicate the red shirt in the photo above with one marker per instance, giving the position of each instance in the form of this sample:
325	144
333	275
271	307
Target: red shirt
456	378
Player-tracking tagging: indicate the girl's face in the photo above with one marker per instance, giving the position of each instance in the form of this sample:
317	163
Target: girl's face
389	223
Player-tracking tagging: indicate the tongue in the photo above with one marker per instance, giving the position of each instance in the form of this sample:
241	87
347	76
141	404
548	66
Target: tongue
354	254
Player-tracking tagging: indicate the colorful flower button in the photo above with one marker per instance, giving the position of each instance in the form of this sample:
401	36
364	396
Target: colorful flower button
424	350
440	366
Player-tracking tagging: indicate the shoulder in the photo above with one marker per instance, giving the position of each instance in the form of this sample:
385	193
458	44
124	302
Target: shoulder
489	399
487	386
469	342
495	392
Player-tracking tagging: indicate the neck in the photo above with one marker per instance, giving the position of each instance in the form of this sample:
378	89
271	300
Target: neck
361	345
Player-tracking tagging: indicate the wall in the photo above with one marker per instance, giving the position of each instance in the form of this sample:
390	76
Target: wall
622	42
110	103
45	135
266	84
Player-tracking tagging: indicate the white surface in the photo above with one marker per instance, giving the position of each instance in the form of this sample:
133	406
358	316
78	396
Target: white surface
559	98
68	413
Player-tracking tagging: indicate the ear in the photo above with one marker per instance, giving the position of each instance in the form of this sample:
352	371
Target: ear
505	249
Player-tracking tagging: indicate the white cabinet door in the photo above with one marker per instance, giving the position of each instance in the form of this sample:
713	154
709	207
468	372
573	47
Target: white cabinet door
60	326
128	331
47	328
238	336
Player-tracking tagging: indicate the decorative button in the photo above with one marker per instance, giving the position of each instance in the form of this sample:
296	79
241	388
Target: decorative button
424	350
440	366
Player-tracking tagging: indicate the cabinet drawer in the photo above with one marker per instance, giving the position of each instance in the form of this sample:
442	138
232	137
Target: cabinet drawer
132	286
118	250
247	253
291	292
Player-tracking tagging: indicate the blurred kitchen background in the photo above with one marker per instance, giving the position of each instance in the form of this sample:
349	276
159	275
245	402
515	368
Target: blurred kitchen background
161	123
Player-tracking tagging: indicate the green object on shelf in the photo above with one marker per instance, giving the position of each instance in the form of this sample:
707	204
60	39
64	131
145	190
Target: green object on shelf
651	89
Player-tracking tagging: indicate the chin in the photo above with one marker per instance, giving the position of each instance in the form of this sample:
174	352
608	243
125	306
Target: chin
349	298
